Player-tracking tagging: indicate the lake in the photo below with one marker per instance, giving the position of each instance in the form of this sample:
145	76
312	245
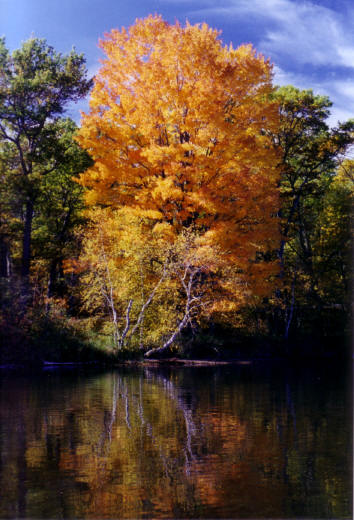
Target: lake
264	440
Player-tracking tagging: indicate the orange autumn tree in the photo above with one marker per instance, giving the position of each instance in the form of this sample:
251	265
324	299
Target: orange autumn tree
178	130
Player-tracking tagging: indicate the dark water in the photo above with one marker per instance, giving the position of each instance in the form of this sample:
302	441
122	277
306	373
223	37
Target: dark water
223	442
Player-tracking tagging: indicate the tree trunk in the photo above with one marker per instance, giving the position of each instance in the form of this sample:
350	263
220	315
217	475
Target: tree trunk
291	310
26	248
52	277
190	299
169	342
4	259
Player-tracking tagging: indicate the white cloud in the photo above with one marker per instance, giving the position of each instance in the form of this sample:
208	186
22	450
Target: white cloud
347	55
299	35
282	77
346	89
304	31
342	95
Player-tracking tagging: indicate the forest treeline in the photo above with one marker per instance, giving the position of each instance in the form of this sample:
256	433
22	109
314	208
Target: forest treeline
197	208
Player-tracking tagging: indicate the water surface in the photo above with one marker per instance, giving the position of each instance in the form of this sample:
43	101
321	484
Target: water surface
223	442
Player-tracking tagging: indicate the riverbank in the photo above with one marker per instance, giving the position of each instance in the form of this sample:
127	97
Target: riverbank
86	355
51	346
175	363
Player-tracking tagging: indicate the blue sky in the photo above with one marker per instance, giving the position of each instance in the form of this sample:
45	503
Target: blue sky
310	43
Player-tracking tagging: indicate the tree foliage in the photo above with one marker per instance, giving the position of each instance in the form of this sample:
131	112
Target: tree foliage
309	149
149	284
36	83
311	197
178	130
214	200
177	127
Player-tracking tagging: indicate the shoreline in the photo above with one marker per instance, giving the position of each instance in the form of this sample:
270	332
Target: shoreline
173	362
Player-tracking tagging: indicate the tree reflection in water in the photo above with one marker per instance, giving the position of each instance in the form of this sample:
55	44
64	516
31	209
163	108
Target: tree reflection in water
185	443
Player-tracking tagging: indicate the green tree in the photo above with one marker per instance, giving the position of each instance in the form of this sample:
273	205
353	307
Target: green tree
36	83
310	154
332	239
59	208
10	208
